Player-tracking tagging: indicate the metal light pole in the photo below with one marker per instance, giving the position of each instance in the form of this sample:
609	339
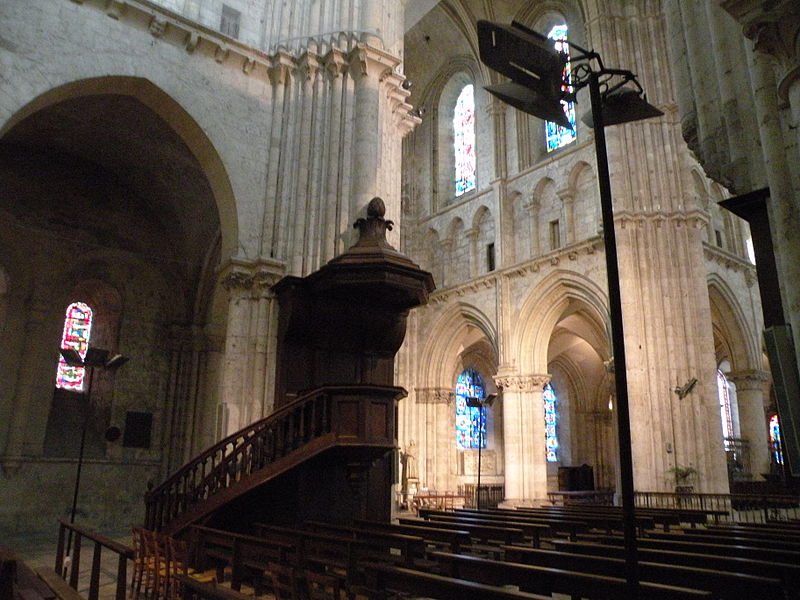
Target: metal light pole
527	57
95	358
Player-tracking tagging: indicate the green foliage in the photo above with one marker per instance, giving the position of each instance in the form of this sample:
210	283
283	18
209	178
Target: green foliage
682	474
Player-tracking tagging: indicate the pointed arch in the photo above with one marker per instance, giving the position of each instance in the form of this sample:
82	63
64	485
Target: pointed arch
439	359
561	293
732	334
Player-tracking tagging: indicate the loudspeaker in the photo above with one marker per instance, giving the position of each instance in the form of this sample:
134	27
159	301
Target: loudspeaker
783	364
138	426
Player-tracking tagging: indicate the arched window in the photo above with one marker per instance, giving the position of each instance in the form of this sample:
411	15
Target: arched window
726	414
77	331
464	140
775	439
470	420
550	423
555	135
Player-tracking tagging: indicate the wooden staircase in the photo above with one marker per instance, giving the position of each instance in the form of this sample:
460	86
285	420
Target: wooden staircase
353	423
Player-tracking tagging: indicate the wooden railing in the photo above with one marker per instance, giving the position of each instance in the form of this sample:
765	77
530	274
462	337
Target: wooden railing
744	508
327	417
77	534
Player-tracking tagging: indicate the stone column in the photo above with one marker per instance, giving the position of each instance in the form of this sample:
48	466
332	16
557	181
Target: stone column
568	201
523	437
436	442
533	208
750	388
247	371
474	252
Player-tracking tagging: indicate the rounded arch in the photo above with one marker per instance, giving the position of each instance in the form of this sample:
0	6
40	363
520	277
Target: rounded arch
561	293
172	114
542	16
733	340
441	354
480	216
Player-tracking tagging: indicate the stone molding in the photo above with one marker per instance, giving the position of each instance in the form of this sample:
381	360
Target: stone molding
544	262
521	383
730	261
750	379
434	395
277	67
692	218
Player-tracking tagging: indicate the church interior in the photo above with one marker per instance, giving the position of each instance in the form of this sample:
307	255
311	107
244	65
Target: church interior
267	261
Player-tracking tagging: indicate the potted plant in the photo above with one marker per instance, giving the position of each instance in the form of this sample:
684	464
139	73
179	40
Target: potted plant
683	479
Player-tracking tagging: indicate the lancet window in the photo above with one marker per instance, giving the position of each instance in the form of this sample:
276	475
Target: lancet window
550	423
775	439
464	141
76	335
470	420
556	136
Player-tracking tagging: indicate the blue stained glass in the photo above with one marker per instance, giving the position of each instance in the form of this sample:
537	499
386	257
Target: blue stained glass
775	439
470	420
557	136
464	140
550	423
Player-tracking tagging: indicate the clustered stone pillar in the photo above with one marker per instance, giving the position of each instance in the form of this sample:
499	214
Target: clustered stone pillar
248	367
523	437
750	388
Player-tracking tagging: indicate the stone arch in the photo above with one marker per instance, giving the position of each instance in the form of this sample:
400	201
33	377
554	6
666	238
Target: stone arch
172	114
549	216
732	340
484	226
561	293
446	334
582	184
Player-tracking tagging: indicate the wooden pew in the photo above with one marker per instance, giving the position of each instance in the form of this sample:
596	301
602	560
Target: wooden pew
450	539
572	522
483	538
789	574
383	582
533	530
725	585
705	536
547	580
740	531
568	525
663	516
753	552
409	548
605	517
246	555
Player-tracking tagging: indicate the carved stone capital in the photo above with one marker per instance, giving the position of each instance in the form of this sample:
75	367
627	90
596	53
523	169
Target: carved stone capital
774	28
521	383
435	395
750	379
244	277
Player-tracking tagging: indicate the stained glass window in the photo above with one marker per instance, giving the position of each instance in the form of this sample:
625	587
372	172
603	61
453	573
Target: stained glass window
775	439
725	405
464	140
550	423
77	331
470	420
557	136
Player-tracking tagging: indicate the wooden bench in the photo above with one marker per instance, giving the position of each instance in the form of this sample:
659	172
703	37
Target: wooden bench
410	549
382	582
606	517
568	525
725	585
530	529
706	536
681	545
247	556
450	539
789	574
663	516
573	522
547	580
484	540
